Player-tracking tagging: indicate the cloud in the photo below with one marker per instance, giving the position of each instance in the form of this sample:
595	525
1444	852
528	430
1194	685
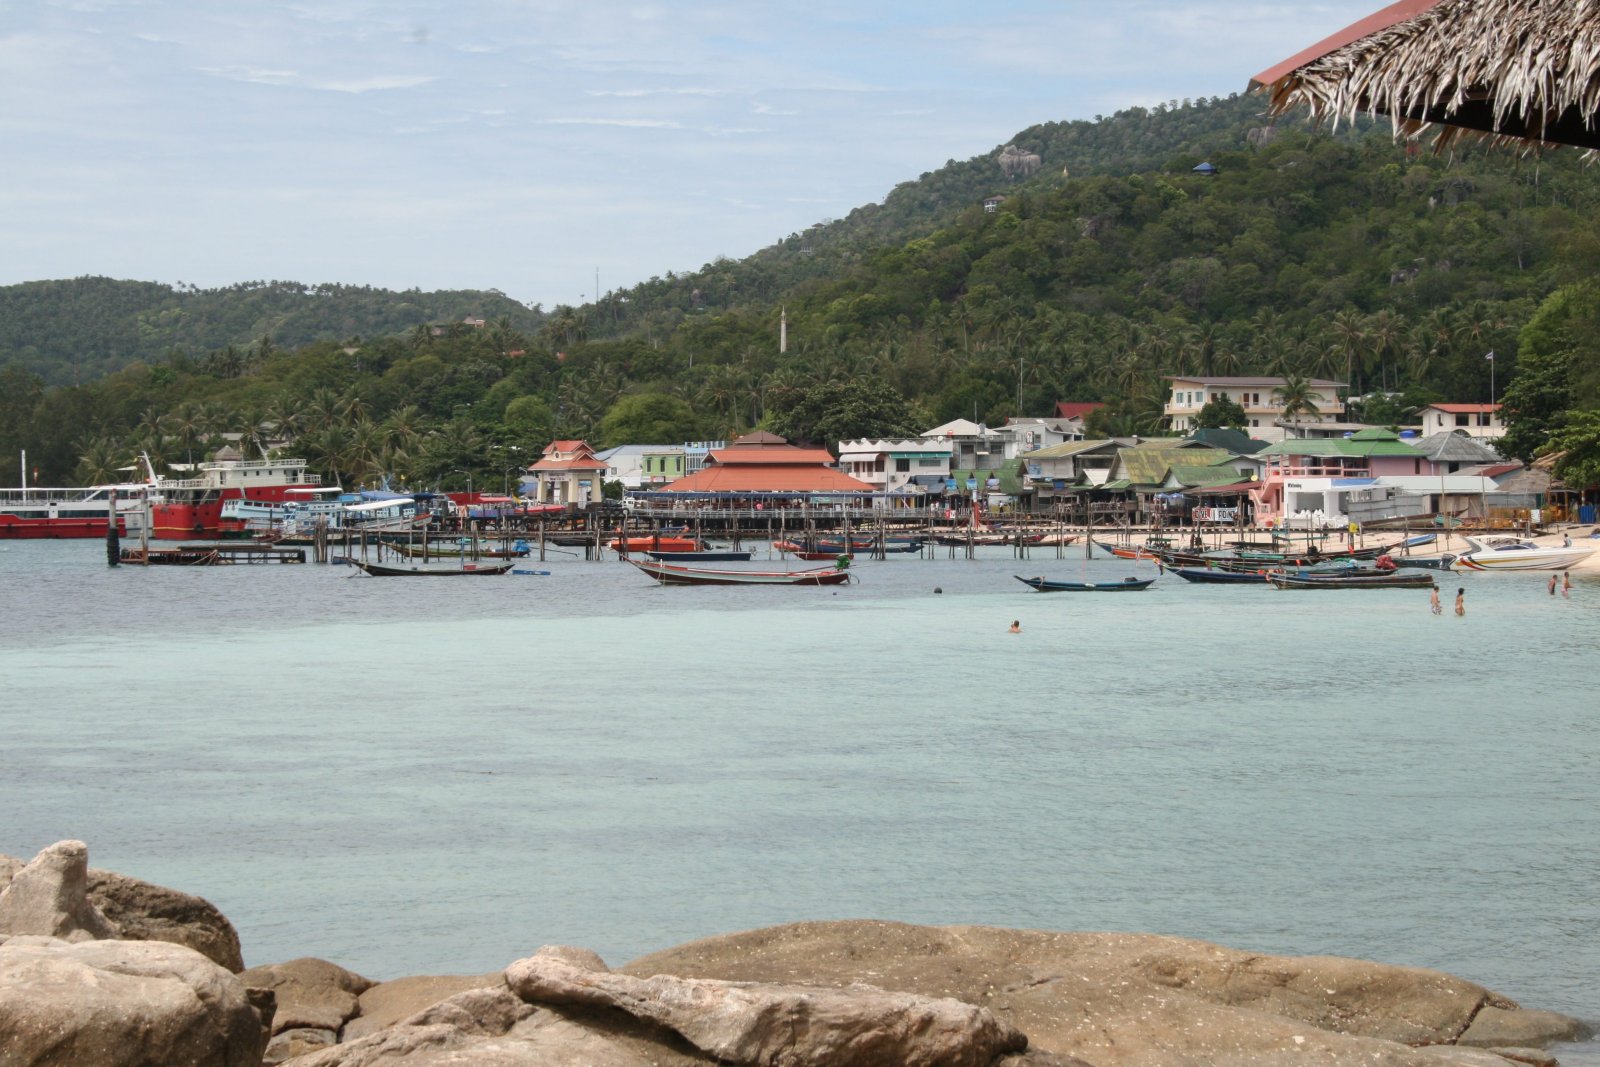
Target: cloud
376	83
654	124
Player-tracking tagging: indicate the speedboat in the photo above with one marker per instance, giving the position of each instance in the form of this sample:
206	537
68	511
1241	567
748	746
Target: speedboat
1502	552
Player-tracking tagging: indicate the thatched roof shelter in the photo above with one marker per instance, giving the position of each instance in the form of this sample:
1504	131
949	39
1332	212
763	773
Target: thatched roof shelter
1519	71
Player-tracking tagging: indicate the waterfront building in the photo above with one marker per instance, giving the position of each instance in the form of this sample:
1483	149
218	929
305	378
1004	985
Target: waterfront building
568	473
903	466
1264	413
762	466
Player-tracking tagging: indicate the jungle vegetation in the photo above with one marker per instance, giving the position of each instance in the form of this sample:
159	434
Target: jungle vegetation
1109	264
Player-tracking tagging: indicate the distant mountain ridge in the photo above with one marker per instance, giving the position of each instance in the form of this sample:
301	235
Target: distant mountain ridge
81	329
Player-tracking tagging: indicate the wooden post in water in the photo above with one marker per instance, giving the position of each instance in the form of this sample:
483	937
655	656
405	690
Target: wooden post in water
113	544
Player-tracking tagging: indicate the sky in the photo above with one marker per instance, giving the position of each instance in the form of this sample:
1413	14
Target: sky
531	145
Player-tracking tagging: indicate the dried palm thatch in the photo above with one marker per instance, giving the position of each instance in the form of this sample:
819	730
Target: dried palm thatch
1519	71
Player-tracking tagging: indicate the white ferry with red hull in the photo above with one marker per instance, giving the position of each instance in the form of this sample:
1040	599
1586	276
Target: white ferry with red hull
189	508
41	513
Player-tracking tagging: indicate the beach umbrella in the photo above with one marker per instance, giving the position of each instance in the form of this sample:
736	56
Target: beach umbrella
1523	72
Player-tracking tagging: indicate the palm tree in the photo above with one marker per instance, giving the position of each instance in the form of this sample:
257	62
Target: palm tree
1349	339
98	460
1296	397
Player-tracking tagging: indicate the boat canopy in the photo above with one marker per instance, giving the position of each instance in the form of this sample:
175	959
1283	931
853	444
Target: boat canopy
379	505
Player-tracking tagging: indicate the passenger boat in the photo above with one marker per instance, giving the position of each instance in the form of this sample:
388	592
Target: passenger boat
676	574
1126	585
708	556
799	551
1364	580
380	570
187	508
459	549
36	513
1499	552
656	543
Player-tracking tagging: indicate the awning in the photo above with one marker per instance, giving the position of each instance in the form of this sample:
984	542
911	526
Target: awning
1520	70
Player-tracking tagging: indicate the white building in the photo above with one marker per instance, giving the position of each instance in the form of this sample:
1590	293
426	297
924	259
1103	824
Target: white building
1475	420
1264	417
889	466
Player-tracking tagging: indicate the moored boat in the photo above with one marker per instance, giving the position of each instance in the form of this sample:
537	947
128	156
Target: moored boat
1126	585
186	508
413	570
725	555
1384	580
677	574
42	513
656	543
1508	553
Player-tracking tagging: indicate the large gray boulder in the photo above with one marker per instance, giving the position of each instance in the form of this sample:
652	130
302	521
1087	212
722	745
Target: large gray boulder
61	892
121	1004
779	1024
385	1004
1137	1000
494	1028
148	912
49	897
311	994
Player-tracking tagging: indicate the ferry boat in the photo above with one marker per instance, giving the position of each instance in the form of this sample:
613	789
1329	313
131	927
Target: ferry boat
185	508
36	512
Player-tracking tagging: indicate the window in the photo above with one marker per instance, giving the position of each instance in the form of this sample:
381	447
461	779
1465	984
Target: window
1461	420
902	466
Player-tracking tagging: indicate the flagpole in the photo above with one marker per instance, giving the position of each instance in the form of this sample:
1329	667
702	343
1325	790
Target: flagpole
1490	358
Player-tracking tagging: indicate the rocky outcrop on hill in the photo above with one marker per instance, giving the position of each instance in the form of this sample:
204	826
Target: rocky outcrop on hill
121	1004
59	895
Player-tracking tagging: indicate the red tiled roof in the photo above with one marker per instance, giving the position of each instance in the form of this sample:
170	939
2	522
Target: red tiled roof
576	463
1076	409
788	456
752	478
567	446
1465	409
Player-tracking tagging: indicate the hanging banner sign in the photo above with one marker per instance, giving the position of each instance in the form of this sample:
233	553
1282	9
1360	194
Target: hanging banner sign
1216	514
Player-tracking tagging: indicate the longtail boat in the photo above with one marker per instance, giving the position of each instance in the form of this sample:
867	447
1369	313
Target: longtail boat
675	574
1126	585
800	551
1388	580
379	570
707	556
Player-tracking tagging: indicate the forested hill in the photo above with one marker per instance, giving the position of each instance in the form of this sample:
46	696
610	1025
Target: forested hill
81	329
77	330
1110	264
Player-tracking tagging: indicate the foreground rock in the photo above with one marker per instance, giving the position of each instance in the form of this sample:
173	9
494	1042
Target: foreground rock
122	1004
781	1025
563	1006
1114	999
60	895
49	897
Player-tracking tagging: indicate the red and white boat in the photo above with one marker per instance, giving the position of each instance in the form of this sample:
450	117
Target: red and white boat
37	513
184	508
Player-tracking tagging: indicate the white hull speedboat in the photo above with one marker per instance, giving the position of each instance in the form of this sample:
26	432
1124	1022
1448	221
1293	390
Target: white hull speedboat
1516	554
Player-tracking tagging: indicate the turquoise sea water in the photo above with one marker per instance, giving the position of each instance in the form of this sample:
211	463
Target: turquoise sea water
440	776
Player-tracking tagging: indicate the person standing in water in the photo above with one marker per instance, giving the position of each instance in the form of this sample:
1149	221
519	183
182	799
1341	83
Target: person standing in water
1016	626
1461	601
1433	601
1551	588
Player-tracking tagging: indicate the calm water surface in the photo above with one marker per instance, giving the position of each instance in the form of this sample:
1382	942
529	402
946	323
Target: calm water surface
428	777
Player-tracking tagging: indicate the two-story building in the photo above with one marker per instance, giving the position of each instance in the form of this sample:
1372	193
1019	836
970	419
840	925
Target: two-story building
895	466
1258	396
1475	420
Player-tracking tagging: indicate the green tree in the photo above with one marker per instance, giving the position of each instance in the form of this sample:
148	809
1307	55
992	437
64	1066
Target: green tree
1297	397
1221	412
1576	443
648	418
1558	368
837	411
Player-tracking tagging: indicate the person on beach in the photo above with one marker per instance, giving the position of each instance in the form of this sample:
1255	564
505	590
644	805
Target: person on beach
1461	601
1551	587
1433	602
1016	626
